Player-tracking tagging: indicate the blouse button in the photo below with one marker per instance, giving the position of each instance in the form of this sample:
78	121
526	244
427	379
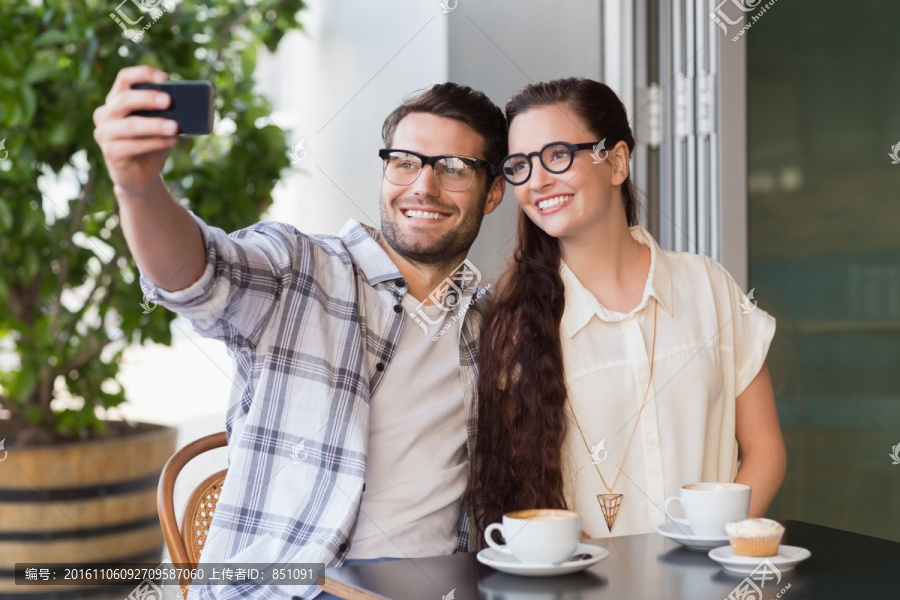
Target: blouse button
630	326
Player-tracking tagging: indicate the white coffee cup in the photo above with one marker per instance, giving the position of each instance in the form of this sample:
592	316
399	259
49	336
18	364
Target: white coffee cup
538	536
708	506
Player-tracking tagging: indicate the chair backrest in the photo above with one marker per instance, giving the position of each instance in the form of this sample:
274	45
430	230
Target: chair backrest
198	513
185	543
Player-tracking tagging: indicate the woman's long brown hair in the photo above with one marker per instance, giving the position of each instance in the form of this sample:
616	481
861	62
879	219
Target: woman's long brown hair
517	462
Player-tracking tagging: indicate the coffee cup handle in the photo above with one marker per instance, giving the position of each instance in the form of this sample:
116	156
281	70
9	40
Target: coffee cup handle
490	540
668	514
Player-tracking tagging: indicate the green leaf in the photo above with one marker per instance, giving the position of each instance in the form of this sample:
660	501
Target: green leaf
29	102
24	385
6	216
38	72
59	133
52	38
15	114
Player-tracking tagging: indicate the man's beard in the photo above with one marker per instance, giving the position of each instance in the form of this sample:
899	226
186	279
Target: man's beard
450	246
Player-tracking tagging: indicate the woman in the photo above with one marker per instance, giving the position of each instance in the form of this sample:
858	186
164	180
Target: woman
612	372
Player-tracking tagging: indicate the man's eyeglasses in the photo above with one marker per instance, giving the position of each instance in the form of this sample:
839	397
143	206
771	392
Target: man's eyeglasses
453	173
556	157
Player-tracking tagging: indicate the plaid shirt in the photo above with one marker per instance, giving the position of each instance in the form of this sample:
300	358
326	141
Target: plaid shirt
312	323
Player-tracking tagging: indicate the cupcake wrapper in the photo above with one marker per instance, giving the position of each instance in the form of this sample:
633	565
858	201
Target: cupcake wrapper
755	546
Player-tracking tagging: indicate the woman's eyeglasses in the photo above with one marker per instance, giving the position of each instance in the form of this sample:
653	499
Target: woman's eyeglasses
556	157
453	173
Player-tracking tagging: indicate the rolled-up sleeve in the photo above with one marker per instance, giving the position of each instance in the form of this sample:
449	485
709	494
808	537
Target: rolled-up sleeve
752	333
242	283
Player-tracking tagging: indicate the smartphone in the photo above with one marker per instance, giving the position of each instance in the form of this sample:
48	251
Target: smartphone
192	105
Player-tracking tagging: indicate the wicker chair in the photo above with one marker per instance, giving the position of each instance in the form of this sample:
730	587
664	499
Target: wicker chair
186	543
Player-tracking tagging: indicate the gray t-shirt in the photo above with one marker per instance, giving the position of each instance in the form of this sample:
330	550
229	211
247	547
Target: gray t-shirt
416	465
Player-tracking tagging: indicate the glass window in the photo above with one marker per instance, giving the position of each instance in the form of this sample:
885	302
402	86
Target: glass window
823	116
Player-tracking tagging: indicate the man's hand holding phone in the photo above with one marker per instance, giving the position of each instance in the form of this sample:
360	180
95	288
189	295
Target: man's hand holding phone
135	148
141	120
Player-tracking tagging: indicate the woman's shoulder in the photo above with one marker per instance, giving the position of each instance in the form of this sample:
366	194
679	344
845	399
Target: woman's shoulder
698	271
685	267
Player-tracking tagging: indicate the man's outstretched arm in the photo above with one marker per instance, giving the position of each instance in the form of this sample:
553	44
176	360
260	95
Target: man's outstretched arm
162	236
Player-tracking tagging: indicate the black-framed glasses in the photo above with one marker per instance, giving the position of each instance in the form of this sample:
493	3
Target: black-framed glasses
453	173
556	157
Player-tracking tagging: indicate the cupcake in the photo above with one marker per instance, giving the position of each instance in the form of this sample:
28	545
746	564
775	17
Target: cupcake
754	537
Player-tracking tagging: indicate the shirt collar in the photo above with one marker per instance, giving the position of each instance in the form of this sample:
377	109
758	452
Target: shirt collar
362	242
581	305
373	262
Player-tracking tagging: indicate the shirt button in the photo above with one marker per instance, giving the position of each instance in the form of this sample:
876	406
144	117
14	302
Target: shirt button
651	440
643	379
400	283
343	547
398	308
630	326
379	367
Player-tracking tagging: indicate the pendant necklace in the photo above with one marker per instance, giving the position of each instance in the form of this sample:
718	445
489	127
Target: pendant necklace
610	502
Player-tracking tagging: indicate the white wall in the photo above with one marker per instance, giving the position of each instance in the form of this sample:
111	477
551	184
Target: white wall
333	85
502	45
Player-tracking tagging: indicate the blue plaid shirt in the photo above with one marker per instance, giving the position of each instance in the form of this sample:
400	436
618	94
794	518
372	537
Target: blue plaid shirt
312	322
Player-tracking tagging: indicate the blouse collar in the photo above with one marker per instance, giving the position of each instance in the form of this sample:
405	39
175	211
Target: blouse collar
581	304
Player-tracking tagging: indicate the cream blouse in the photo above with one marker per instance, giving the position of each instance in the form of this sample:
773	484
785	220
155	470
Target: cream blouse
711	342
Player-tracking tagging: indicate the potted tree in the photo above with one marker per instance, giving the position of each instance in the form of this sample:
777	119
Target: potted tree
76	484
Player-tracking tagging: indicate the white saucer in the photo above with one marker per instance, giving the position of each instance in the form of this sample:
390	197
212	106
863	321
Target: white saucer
787	558
683	535
504	561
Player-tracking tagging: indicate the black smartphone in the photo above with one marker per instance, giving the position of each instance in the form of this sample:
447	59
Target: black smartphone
192	107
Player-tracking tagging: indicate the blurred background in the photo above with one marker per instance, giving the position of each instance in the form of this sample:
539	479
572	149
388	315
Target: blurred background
824	251
764	133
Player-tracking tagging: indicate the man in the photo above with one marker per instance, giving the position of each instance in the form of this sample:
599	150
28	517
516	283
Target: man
348	425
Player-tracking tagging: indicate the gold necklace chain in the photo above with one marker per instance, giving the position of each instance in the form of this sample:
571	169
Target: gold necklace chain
640	411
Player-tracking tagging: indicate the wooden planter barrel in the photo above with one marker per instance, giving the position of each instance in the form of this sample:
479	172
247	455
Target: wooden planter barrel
84	502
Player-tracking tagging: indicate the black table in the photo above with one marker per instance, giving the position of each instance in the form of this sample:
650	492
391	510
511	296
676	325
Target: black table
843	565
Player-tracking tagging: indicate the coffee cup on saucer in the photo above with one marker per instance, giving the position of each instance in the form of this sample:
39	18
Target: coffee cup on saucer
708	506
537	536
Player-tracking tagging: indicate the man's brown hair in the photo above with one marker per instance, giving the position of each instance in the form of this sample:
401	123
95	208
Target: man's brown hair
460	103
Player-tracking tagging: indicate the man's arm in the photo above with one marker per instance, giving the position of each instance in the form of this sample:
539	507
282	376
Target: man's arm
162	236
761	446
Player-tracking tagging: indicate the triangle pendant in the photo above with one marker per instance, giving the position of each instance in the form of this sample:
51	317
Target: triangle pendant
609	504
